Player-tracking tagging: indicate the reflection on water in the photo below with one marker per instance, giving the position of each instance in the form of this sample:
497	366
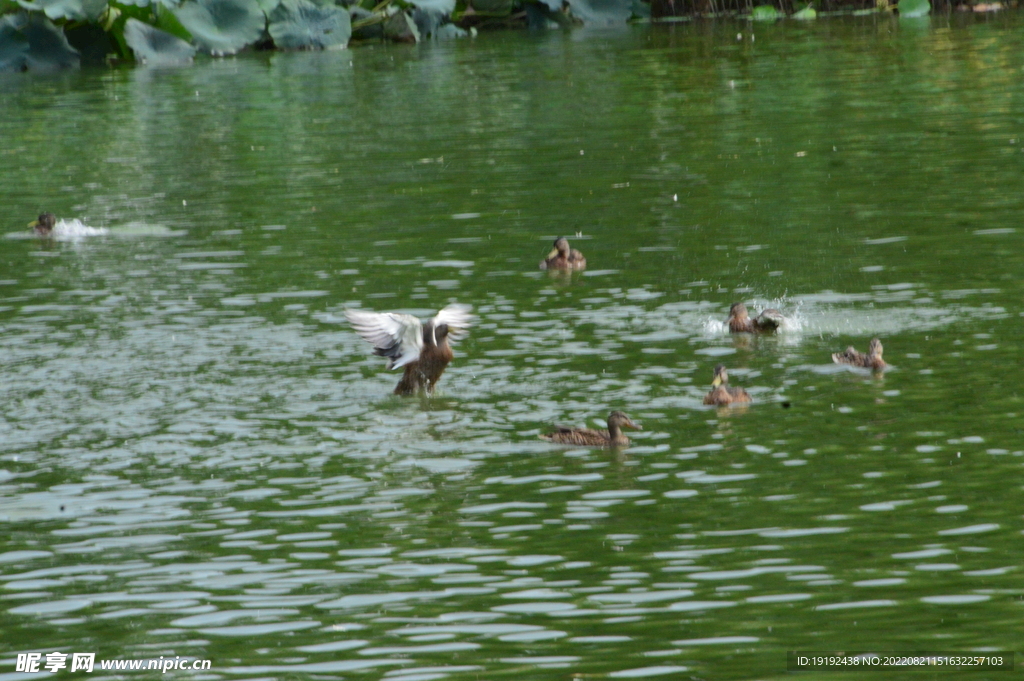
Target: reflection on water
200	458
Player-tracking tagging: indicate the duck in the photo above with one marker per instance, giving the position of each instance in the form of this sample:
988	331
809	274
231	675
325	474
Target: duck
588	437
43	226
721	393
562	257
421	347
767	322
872	360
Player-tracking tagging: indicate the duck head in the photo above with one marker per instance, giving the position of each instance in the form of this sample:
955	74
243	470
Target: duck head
618	420
561	247
45	224
738	311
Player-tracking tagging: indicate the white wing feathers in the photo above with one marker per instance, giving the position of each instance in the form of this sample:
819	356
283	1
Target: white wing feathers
399	337
458	318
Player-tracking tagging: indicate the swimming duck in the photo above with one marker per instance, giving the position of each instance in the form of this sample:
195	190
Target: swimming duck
422	348
562	257
588	437
767	322
721	393
872	360
44	225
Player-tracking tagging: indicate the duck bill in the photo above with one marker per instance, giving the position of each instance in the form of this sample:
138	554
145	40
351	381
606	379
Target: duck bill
717	381
630	424
33	224
553	253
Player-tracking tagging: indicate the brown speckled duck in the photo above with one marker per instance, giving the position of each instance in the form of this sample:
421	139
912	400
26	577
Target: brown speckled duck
588	437
767	322
721	394
421	348
562	257
872	360
44	225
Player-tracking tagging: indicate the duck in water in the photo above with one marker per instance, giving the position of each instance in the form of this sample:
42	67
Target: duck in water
562	257
588	437
44	225
721	394
768	321
422	348
872	360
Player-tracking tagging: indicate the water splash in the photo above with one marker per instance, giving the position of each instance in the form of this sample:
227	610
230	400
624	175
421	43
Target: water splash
76	229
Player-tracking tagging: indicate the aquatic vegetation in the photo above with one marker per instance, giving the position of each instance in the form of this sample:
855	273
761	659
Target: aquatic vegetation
765	13
61	34
805	14
913	8
31	41
301	25
222	27
153	46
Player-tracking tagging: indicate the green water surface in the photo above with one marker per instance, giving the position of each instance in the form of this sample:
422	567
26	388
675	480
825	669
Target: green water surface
199	458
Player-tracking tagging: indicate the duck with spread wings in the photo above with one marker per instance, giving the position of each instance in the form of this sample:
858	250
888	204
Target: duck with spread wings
739	320
871	360
421	347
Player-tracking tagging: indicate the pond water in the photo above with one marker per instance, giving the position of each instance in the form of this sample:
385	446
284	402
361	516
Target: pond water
200	458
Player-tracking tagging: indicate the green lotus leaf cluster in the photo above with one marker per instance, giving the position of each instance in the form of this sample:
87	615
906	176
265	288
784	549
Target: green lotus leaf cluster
56	34
805	14
301	25
33	42
765	13
913	8
155	47
222	27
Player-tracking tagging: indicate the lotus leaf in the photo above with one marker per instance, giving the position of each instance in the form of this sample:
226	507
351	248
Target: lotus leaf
401	28
602	12
76	10
222	26
914	8
449	32
170	4
429	14
764	13
365	24
301	25
156	47
92	43
268	6
438	6
426	22
167	21
13	43
540	16
641	10
500	8
32	42
553	5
